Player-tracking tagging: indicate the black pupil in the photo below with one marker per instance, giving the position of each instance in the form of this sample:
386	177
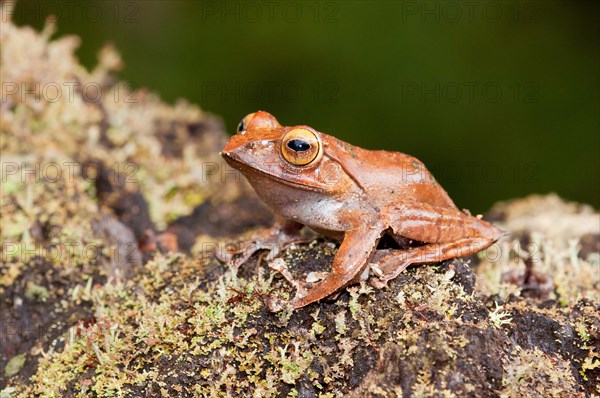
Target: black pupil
298	145
241	126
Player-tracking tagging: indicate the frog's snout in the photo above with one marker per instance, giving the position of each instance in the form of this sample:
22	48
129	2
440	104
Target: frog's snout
227	154
235	143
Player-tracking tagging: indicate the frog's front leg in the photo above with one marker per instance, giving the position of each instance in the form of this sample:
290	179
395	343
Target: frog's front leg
352	258
446	232
275	239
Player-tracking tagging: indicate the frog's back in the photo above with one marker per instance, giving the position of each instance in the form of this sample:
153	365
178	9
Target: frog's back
389	176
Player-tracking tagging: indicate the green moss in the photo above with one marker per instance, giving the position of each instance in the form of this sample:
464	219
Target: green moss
36	292
15	364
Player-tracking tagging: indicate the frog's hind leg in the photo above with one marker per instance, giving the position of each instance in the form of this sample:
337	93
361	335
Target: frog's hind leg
388	265
446	233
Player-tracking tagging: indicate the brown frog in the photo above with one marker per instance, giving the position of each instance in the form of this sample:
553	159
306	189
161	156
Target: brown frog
350	194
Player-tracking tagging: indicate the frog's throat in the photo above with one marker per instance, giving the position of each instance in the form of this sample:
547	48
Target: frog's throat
246	170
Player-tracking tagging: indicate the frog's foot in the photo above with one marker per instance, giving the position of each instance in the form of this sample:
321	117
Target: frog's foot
279	265
276	304
302	286
274	239
384	266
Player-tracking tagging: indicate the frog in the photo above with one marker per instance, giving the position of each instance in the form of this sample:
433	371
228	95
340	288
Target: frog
351	195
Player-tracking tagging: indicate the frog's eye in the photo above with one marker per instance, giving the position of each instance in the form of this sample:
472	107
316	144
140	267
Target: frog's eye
300	147
256	121
243	125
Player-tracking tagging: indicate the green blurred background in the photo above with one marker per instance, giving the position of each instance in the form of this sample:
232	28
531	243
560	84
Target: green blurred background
499	98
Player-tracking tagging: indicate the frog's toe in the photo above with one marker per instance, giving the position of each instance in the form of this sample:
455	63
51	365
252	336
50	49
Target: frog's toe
377	277
377	283
375	269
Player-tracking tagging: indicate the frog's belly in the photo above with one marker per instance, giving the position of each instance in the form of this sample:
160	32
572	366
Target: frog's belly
319	211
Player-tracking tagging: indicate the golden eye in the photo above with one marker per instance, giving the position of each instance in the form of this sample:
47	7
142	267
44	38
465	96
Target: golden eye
256	121
300	147
243	125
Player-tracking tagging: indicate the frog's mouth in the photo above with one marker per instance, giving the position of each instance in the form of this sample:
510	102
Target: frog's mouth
248	171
